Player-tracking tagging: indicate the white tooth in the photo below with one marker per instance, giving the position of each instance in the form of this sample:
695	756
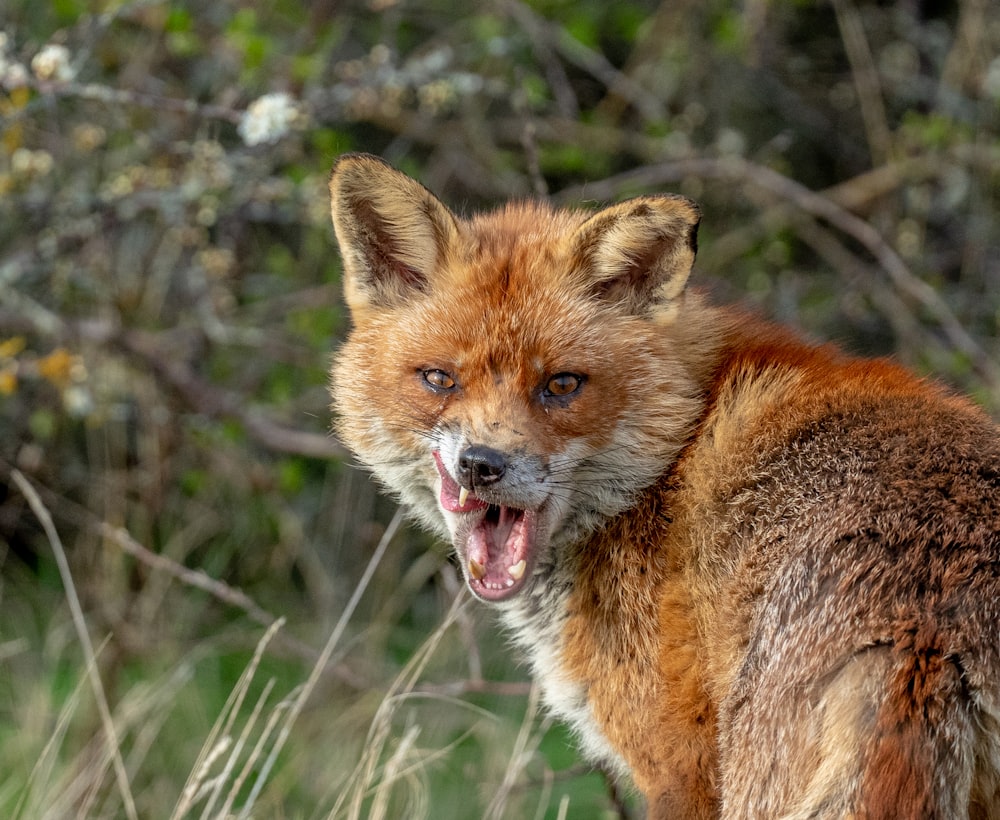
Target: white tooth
517	571
476	570
463	496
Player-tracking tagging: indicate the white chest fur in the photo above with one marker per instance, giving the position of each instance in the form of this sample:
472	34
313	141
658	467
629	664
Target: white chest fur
537	622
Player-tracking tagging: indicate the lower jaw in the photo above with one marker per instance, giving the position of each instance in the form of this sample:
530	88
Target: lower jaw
499	586
496	593
488	596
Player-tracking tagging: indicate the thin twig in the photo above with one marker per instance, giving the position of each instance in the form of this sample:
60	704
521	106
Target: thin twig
216	403
90	657
324	658
525	746
866	81
529	143
503	688
218	740
556	38
563	94
230	595
126	98
199	579
899	273
198	393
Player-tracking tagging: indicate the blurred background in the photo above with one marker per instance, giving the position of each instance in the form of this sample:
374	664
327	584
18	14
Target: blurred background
205	609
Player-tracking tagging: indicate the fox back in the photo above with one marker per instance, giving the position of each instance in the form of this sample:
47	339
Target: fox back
758	577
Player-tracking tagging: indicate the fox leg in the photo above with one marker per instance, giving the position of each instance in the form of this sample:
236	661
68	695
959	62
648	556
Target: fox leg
919	761
889	735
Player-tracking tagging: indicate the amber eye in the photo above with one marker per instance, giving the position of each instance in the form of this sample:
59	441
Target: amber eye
438	379
563	384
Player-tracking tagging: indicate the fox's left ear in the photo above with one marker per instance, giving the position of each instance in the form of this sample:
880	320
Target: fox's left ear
393	233
638	253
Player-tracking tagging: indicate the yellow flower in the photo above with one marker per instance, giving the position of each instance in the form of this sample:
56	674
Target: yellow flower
57	367
9	348
8	381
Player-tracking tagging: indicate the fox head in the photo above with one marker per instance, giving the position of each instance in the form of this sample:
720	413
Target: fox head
518	377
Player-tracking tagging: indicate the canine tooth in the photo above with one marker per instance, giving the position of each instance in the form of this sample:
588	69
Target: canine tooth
476	570
463	496
517	571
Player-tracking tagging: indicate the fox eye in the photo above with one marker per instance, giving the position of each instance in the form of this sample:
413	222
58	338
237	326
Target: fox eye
438	379
563	384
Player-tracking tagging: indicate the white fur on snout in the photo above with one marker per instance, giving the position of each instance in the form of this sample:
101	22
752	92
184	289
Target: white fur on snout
525	481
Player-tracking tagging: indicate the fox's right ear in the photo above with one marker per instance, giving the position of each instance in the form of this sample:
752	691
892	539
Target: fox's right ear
639	253
393	233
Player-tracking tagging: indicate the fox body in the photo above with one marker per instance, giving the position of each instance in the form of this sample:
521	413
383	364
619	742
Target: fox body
760	577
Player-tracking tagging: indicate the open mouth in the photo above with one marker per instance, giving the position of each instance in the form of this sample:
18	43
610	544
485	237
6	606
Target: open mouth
493	542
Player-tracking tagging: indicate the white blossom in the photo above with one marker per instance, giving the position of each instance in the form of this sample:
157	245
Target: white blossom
12	75
52	63
78	401
28	163
268	118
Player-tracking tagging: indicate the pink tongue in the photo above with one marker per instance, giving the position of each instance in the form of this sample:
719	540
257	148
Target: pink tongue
498	543
450	491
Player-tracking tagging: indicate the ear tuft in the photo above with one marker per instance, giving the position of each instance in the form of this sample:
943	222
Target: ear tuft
639	253
393	233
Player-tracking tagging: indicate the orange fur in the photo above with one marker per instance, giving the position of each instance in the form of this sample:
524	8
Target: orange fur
759	577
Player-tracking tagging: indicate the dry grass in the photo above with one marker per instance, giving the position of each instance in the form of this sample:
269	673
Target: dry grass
265	740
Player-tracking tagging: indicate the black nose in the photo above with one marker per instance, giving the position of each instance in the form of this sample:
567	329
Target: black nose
479	466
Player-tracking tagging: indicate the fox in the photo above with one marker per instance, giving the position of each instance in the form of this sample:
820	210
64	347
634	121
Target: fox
758	577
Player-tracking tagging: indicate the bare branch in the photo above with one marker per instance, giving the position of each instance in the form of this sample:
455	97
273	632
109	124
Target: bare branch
200	394
125	98
866	81
196	578
214	402
555	37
